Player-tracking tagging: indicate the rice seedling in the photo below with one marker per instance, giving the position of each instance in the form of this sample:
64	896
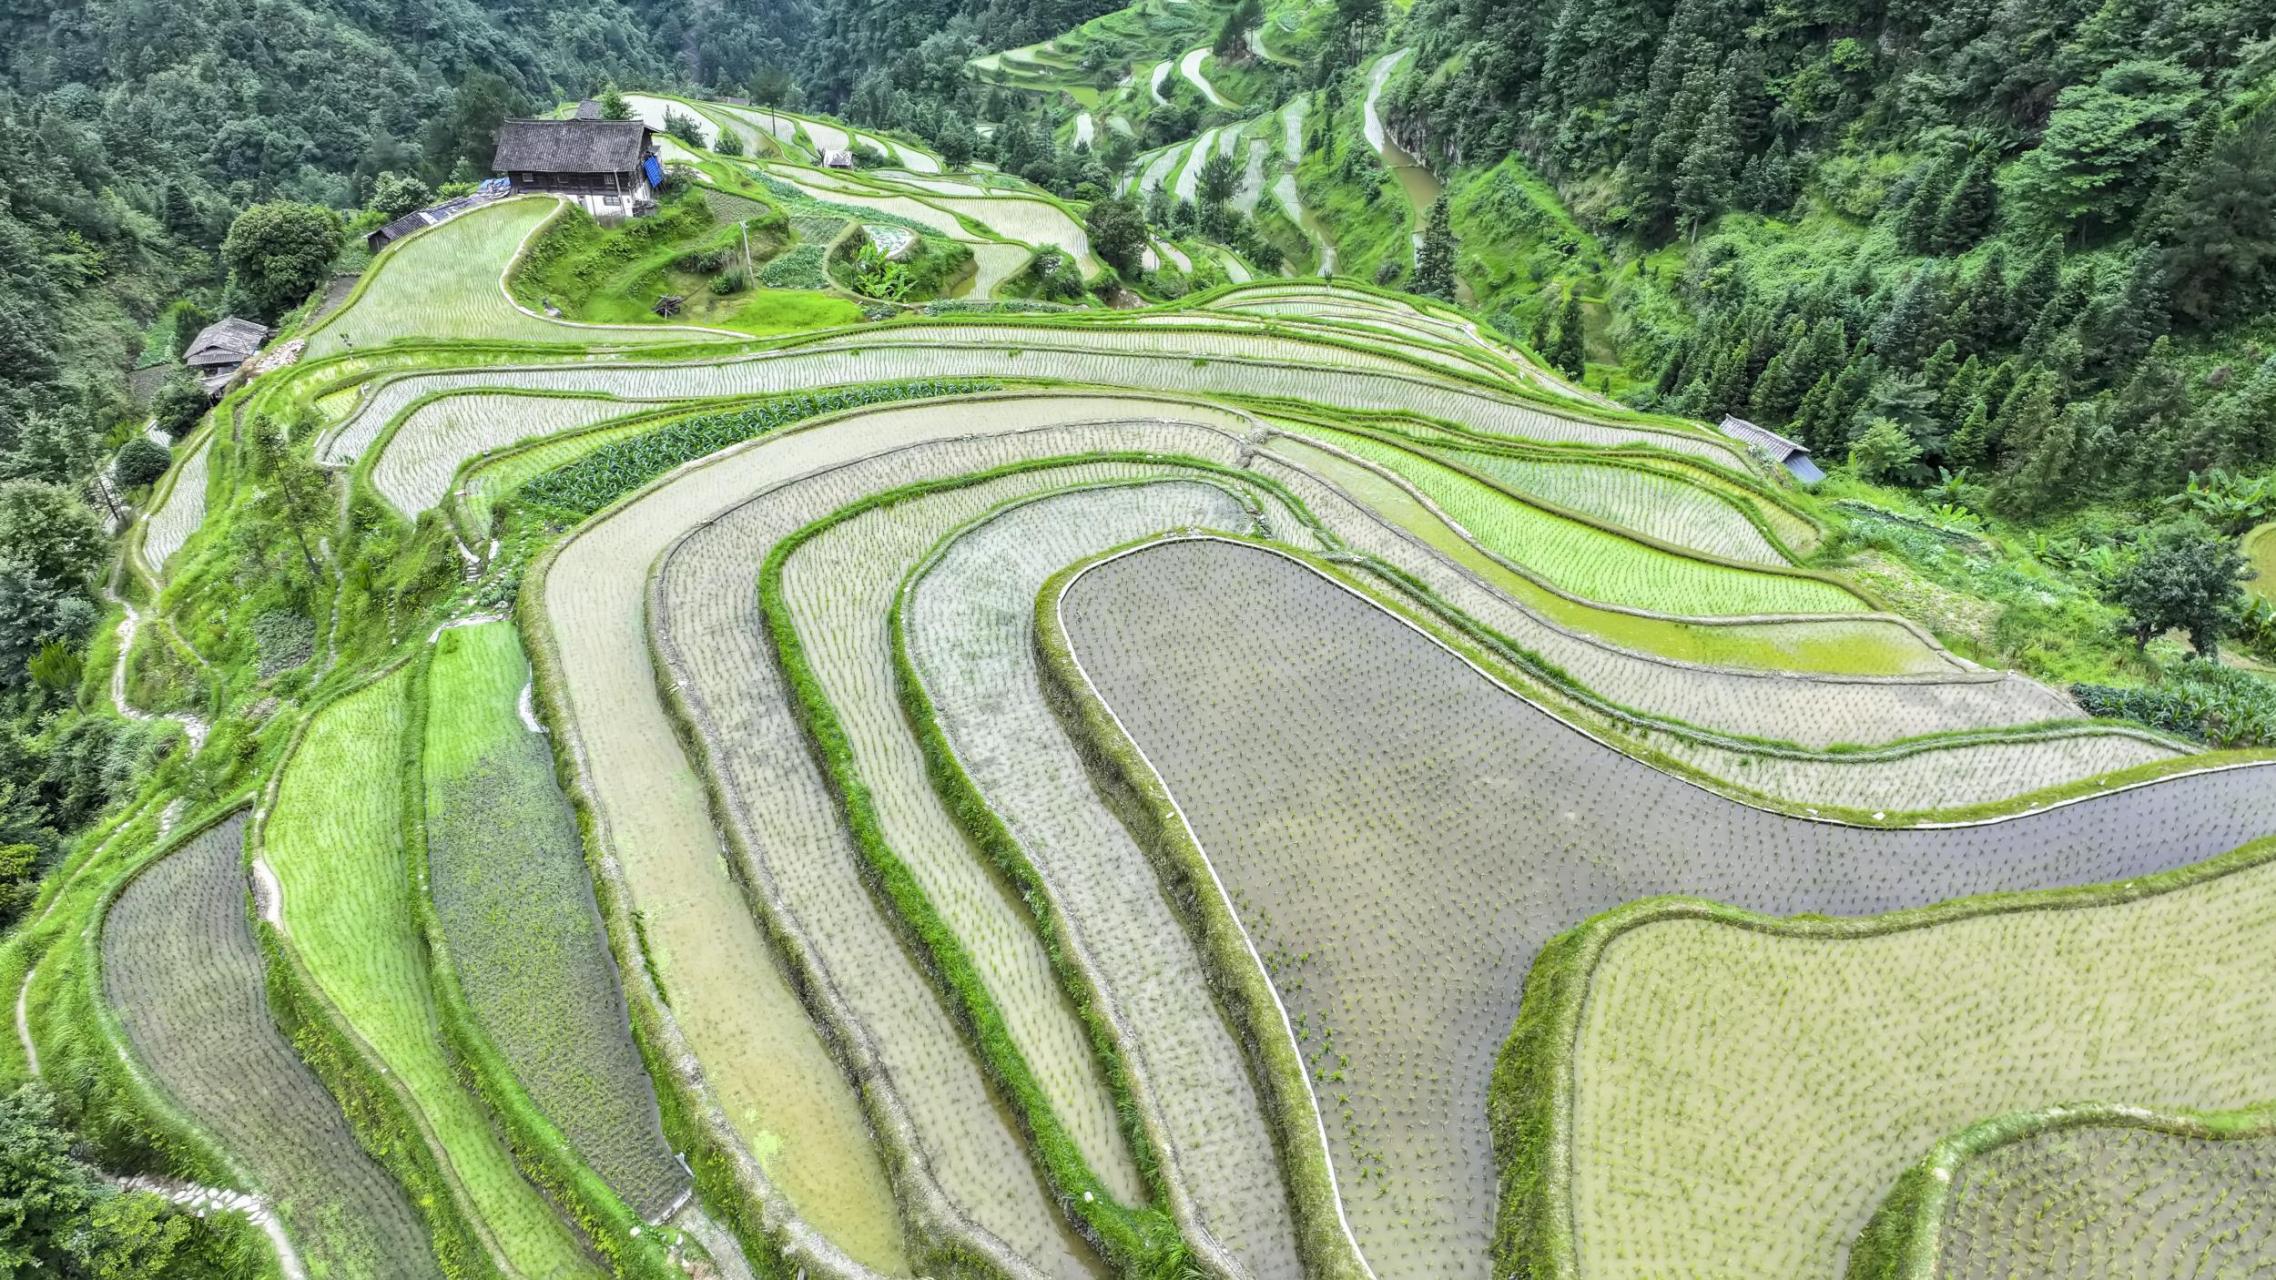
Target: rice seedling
2069	995
186	978
1863	647
2089	1192
782	808
413	469
963	625
1324	752
333	838
1592	562
517	913
180	508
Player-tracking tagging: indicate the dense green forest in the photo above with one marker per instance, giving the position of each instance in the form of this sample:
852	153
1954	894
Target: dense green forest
2033	244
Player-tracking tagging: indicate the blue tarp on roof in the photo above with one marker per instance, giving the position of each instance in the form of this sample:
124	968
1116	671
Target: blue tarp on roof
654	171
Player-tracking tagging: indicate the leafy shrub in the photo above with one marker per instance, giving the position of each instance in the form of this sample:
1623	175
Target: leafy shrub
799	268
730	281
284	639
607	473
707	262
140	461
2200	700
178	404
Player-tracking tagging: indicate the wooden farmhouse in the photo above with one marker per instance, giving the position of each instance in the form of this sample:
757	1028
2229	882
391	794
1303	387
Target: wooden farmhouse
221	347
608	166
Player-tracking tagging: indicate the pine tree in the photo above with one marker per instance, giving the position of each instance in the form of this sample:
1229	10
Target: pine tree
1811	417
1707	179
1916	222
1571	356
1911	328
1971	446
1967	210
2034	289
1983	317
1434	260
1957	393
2045	464
1936	371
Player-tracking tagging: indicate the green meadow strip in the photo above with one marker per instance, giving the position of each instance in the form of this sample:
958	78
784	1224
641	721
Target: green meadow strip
375	1101
541	1151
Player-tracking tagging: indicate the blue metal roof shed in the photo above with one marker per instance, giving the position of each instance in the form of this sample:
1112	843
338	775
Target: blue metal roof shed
1790	454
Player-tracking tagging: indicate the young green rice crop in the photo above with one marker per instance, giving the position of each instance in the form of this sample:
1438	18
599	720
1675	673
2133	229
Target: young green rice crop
413	469
1864	647
1179	358
2092	1192
2260	551
1689	1143
448	282
1594	563
509	886
334	840
185	976
1324	752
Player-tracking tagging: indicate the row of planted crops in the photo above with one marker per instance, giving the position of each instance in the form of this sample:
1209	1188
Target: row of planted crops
1253	788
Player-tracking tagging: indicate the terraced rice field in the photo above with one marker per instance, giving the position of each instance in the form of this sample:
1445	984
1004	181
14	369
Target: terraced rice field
1397	773
508	879
447	282
181	509
1890	1056
1179	792
653	112
334	841
2260	551
2096	1192
185	977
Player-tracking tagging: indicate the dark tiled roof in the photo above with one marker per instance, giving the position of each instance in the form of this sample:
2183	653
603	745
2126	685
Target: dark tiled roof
570	146
229	340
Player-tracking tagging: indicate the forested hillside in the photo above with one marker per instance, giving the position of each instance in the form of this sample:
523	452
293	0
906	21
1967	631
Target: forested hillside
2037	238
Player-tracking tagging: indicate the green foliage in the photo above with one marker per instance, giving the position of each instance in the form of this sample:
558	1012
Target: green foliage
46	528
2182	576
178	404
2204	701
613	105
140	461
685	127
278	253
1884	454
799	267
1570	355
395	194
2102	144
1117	232
611	471
60	1217
1434	260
